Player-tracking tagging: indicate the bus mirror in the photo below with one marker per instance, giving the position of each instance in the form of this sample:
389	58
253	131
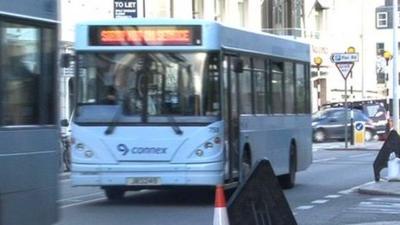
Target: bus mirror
238	66
64	123
66	60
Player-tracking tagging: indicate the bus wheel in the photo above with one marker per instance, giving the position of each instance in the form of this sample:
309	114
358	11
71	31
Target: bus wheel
245	164
114	193
288	180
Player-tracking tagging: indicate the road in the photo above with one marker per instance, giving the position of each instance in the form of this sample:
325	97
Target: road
325	194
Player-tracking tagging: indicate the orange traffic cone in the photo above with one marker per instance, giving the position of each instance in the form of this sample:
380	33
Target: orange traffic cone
220	212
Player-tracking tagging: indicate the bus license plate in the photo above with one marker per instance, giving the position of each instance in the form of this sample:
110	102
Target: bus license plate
143	181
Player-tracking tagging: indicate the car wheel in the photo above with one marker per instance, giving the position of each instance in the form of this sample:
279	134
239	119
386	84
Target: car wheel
368	135
319	136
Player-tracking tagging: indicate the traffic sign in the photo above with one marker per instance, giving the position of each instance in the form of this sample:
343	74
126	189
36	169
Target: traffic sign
359	133
345	69
344	57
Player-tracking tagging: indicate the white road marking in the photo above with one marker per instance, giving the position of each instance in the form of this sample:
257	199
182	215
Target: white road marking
83	202
321	201
324	160
79	196
379	206
360	155
304	207
332	196
65	180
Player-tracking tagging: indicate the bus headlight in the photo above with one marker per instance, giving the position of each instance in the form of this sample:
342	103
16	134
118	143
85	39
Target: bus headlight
80	146
208	145
89	154
199	152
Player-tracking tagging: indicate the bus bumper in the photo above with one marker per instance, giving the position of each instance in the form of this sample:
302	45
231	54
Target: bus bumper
202	174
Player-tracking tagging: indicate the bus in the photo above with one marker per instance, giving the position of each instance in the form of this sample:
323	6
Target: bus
29	134
167	102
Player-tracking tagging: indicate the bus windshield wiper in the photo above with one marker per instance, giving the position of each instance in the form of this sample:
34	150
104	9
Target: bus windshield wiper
110	129
174	126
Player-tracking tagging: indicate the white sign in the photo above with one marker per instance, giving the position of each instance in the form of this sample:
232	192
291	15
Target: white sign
344	57
345	68
125	8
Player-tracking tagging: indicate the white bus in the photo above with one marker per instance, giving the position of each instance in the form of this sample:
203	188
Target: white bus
167	102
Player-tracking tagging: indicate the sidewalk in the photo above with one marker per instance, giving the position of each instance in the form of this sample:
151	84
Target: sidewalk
382	187
371	145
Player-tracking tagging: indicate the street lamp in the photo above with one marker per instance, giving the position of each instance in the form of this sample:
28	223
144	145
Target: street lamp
351	49
318	61
388	56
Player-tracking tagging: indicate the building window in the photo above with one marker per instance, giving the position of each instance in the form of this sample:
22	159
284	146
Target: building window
198	9
381	19
380	48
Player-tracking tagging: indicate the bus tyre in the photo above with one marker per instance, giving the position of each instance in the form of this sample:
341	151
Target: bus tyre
288	180
245	165
114	193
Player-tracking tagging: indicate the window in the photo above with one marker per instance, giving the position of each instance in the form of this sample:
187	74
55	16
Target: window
380	48
259	86
301	89
151	84
277	87
27	74
381	20
245	88
289	88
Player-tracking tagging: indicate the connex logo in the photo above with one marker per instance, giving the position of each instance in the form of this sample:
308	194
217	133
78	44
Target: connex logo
141	150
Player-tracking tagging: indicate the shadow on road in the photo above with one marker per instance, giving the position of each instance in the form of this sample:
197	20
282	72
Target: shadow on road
175	197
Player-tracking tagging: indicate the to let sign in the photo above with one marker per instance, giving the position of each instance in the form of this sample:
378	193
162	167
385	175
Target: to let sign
344	57
125	8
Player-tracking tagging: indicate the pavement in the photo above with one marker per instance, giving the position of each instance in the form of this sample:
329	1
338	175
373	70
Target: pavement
383	187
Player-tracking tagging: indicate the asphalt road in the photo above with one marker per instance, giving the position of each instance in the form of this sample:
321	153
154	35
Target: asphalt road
324	195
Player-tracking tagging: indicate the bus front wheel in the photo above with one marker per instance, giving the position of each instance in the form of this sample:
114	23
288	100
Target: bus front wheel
288	180
114	193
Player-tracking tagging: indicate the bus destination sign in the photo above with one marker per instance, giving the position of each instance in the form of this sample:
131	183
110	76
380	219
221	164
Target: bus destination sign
145	35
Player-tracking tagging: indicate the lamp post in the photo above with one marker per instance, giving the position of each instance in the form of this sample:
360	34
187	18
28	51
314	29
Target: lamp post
318	61
387	56
350	50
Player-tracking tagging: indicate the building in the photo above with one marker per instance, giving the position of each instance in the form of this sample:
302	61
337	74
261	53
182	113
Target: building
334	26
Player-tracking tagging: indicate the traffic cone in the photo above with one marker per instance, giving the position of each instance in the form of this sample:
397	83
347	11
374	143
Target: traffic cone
220	212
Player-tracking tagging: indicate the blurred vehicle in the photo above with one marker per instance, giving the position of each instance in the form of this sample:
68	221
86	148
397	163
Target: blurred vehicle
374	109
329	123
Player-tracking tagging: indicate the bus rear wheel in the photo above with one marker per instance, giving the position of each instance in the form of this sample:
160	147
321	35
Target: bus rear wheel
114	193
245	165
287	181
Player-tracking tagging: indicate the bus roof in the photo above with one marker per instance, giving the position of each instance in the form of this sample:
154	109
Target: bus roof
214	36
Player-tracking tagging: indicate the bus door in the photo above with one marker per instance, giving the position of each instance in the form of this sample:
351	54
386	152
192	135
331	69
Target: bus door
231	114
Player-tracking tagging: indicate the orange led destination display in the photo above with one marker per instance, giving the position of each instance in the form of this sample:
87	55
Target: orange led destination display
149	35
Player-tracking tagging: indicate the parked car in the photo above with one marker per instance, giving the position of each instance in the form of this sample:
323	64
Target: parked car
329	123
374	109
